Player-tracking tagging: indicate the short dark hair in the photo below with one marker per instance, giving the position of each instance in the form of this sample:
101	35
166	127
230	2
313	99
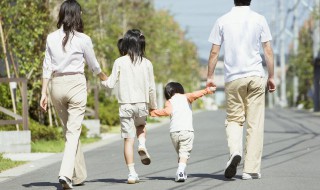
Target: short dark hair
172	88
133	43
242	2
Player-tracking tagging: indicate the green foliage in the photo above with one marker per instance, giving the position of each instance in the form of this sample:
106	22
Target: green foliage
301	66
109	112
42	132
26	24
167	48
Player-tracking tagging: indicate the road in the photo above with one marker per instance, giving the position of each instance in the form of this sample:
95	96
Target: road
290	159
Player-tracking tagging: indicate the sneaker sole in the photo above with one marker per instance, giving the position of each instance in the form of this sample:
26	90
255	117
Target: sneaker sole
231	170
180	180
146	160
64	184
251	177
132	181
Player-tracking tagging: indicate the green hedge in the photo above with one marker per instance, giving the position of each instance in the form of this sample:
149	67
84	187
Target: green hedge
42	132
109	112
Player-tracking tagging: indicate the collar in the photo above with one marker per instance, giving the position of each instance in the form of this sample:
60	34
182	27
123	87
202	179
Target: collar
241	8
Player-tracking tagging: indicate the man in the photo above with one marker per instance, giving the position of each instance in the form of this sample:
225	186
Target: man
242	31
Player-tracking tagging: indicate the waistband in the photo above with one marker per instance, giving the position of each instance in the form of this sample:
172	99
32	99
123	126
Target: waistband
65	74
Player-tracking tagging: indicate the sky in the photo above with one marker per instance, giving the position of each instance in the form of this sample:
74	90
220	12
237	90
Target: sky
197	17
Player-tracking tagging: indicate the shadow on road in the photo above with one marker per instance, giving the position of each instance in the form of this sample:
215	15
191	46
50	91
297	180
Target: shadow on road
108	180
161	178
213	176
43	184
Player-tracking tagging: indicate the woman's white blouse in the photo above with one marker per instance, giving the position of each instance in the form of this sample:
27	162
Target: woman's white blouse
78	49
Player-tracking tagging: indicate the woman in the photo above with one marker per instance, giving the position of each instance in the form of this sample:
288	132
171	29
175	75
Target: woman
66	50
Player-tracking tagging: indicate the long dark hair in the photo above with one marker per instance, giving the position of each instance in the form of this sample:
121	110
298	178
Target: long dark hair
172	88
133	43
70	19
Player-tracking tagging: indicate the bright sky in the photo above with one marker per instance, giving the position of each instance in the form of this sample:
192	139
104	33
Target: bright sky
197	17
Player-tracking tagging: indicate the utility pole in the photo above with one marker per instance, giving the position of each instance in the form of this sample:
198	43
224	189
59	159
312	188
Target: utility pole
283	98
316	56
295	51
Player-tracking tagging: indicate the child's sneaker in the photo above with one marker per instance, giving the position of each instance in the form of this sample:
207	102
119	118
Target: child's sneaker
181	177
247	176
133	178
144	155
65	182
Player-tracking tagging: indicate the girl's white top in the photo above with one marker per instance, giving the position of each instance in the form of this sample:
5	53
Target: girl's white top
135	81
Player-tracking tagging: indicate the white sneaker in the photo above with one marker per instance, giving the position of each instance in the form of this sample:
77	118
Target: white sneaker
144	155
232	164
65	182
181	177
133	178
246	176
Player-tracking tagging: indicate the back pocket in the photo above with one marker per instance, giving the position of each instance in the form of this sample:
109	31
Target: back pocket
125	110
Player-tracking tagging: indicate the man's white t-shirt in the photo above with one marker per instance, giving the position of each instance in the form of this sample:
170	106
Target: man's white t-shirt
241	31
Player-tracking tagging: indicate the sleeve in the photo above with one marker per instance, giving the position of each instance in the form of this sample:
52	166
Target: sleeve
197	94
265	33
90	57
216	34
152	88
166	111
114	76
47	64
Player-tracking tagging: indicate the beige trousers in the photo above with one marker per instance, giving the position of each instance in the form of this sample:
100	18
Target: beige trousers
69	97
182	142
246	103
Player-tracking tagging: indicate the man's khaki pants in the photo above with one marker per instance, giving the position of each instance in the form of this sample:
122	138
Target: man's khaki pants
246	102
69	97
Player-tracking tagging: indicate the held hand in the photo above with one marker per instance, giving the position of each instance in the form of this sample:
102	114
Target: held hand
150	112
102	76
211	89
44	102
104	83
210	83
271	85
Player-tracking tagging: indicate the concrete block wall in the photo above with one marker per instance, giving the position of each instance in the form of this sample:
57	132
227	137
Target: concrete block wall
15	141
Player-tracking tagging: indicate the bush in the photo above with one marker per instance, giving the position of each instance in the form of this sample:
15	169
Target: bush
42	132
109	112
84	132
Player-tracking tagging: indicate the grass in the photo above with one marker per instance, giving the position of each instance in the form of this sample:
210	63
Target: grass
7	163
57	145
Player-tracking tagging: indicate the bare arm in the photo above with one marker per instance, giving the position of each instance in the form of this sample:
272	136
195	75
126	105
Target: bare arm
268	53
213	60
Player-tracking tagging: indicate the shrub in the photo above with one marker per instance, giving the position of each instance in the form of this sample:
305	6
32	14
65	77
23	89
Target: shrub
42	132
109	112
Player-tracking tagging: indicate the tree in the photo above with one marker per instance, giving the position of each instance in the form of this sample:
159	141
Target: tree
25	24
301	65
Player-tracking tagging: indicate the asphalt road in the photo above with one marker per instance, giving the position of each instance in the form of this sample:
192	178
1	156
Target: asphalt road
290	160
